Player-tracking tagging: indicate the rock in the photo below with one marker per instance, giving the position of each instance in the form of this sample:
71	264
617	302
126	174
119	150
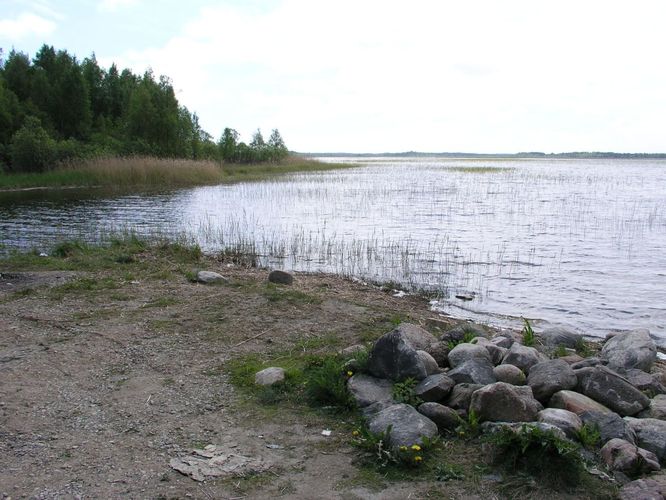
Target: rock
374	408
280	277
461	396
394	356
434	387
458	333
644	382
558	336
408	426
651	488
501	402
208	277
523	357
610	389
269	376
650	434
548	377
656	409
429	362
634	349
566	421
496	352
623	456
575	402
510	374
588	362
440	352
610	426
214	462
572	359
464	352
521	427
502	341
474	371
367	390
444	417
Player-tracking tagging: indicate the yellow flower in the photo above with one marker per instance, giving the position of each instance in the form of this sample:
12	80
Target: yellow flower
354	433
418	458
350	373
416	447
403	448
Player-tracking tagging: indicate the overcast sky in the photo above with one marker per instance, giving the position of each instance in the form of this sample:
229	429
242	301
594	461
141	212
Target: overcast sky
386	76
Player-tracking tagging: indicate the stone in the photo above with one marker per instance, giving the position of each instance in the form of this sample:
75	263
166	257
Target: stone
575	402
434	387
650	434
269	376
611	390
407	426
623	456
474	371
464	352
634	349
568	422
656	409
548	377
461	396
367	390
521	427
209	277
644	382
588	363
510	374
372	409
523	357
496	352
393	356
610	426
429	362
572	359
650	488
502	341
459	332
501	402
445	418
440	352
280	277
558	336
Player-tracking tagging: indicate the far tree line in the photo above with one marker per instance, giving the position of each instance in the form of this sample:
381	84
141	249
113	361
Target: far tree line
54	108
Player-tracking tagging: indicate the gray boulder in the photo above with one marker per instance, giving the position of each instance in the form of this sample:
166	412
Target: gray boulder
510	374
650	434
588	363
548	377
280	277
572	359
566	421
610	389
209	277
656	409
407	426
500	402
440	352
502	341
418	338
367	390
623	456
644	382
558	336
394	356
523	357
464	352
434	387
496	352
575	402
269	376
609	425
445	418
429	362
459	332
649	488
634	349
461	396
474	371
521	428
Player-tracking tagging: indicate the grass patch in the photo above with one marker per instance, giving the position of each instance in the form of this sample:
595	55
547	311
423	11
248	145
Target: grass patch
277	293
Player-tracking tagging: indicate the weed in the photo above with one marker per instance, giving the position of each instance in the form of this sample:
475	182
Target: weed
326	383
275	293
589	436
560	351
448	472
528	334
583	348
468	336
68	248
382	453
470	428
403	392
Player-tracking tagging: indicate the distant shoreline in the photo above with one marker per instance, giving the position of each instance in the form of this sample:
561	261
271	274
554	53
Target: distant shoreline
491	156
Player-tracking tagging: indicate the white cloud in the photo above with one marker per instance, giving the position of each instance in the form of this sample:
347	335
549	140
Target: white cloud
26	25
115	5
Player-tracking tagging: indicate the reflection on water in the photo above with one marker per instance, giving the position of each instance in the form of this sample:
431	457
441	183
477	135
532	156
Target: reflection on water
572	242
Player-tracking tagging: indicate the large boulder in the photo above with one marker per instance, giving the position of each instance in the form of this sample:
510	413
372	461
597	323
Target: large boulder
500	402
644	382
474	371
650	434
649	488
548	377
610	426
566	421
510	374
558	336
521	428
611	390
588	362
407	426
461	396
464	352
523	357
623	456
634	349
656	409
434	387
460	332
496	352
446	419
440	352
575	402
429	362
367	390
394	355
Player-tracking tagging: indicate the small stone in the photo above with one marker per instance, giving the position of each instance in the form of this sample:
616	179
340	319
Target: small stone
558	336
444	417
567	421
280	277
367	390
269	376
209	277
523	357
434	387
429	362
500	402
657	408
474	371
461	395
407	426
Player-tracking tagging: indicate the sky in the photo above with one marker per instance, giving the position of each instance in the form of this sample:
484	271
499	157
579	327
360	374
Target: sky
485	76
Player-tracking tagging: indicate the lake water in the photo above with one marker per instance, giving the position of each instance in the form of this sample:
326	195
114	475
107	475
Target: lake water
578	243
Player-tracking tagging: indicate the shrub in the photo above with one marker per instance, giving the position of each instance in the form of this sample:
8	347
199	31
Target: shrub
403	392
326	383
528	334
31	149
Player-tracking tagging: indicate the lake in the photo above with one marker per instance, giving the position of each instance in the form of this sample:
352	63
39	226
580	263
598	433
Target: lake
577	243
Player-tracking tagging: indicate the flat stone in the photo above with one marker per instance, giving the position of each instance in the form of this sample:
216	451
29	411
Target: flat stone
367	390
501	402
634	349
612	390
208	277
434	387
407	426
575	402
269	376
650	434
445	418
588	363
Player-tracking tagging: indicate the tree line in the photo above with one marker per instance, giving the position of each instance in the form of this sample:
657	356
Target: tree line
54	108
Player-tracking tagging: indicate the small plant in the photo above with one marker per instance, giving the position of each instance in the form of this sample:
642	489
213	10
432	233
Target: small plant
528	334
560	351
589	436
583	348
468	336
380	450
68	248
403	392
448	472
470	428
326	383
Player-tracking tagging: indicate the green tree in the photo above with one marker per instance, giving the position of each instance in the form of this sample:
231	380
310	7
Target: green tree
276	146
228	143
31	148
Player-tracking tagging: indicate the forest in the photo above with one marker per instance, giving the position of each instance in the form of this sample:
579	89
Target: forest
55	109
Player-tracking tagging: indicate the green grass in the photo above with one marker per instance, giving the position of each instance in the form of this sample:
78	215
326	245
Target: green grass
277	293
